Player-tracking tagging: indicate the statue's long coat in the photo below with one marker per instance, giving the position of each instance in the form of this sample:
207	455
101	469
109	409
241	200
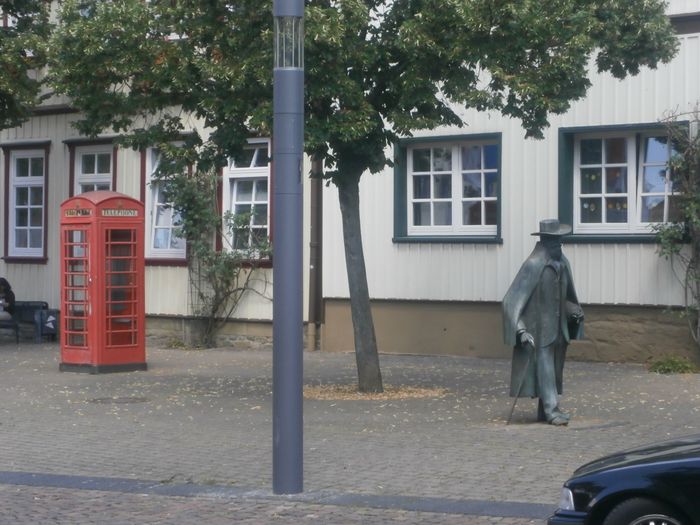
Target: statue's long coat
528	305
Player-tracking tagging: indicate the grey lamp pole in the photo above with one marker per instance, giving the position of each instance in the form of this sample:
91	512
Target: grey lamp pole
287	331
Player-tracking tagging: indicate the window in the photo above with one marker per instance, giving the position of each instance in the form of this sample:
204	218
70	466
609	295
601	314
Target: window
246	195
450	189
93	168
27	203
621	182
161	227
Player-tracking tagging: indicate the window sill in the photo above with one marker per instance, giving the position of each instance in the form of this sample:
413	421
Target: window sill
619	238
447	239
25	260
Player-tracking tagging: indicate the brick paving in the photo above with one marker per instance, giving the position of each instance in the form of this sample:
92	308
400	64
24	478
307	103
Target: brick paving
203	419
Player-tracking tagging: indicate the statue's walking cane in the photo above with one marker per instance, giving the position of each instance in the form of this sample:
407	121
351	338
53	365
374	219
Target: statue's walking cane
522	379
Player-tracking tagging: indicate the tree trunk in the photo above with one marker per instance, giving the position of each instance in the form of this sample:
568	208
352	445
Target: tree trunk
368	373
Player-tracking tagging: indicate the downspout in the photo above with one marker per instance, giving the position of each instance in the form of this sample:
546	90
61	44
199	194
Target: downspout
316	256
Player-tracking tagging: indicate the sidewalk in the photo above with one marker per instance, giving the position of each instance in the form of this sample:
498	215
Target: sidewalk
190	440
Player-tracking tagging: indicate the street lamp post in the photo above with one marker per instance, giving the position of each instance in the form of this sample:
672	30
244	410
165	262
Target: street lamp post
287	150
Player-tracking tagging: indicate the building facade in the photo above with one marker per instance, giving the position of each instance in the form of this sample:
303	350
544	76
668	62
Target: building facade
466	200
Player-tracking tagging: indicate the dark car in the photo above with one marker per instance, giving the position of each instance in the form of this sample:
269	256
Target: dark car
657	484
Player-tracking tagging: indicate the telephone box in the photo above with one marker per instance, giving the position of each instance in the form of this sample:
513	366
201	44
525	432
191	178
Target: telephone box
102	283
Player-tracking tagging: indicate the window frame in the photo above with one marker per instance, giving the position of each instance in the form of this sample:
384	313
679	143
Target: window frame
233	175
11	153
634	230
159	255
405	231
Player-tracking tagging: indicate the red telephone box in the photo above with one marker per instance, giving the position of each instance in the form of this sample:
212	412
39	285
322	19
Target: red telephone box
102	283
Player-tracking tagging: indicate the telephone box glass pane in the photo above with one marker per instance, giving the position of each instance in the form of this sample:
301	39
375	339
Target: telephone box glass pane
76	281
120	282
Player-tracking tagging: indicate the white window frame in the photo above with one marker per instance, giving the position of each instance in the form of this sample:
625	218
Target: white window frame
92	178
153	189
456	199
233	175
635	150
28	182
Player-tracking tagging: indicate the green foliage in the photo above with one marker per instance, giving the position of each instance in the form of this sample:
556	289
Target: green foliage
679	239
22	56
673	365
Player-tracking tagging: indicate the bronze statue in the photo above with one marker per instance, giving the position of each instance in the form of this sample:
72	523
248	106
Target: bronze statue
541	313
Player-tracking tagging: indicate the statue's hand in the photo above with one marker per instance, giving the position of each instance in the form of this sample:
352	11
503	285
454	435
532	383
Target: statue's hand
526	339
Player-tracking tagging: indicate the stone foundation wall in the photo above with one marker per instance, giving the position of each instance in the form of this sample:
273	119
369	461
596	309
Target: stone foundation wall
612	333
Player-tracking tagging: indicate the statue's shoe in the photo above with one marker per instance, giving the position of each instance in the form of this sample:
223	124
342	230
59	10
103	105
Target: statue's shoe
557	412
558	420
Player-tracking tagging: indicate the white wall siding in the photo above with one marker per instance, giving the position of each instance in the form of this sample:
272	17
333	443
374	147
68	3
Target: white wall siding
678	7
604	273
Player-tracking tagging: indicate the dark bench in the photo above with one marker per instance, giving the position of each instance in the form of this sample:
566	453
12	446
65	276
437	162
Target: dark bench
25	313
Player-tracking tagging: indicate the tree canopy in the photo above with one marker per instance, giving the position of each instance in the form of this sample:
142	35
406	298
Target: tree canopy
22	56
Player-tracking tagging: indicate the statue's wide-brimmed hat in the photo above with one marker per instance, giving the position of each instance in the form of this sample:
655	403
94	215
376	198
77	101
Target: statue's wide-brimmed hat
552	227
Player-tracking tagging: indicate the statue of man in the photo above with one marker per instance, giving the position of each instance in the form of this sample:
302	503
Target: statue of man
541	313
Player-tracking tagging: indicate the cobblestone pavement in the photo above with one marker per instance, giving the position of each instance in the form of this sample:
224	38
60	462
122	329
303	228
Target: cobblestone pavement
203	419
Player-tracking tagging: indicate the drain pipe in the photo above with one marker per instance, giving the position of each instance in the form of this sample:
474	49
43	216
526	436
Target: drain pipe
316	256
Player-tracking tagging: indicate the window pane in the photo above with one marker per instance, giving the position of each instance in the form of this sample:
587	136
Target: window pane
242	209
616	209
160	239
102	187
35	238
591	151
35	217
87	163
21	217
471	185
177	243
244	191
244	159
20	238
37	167
22	167
652	209
491	181
240	240
163	215
260	215
37	196
421	214
591	180
443	213
471	158
443	186
491	157
104	163
471	213
261	159
421	159
421	187
259	236
590	211
442	159
491	212
22	196
654	179
655	150
616	151
616	180
674	210
261	190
